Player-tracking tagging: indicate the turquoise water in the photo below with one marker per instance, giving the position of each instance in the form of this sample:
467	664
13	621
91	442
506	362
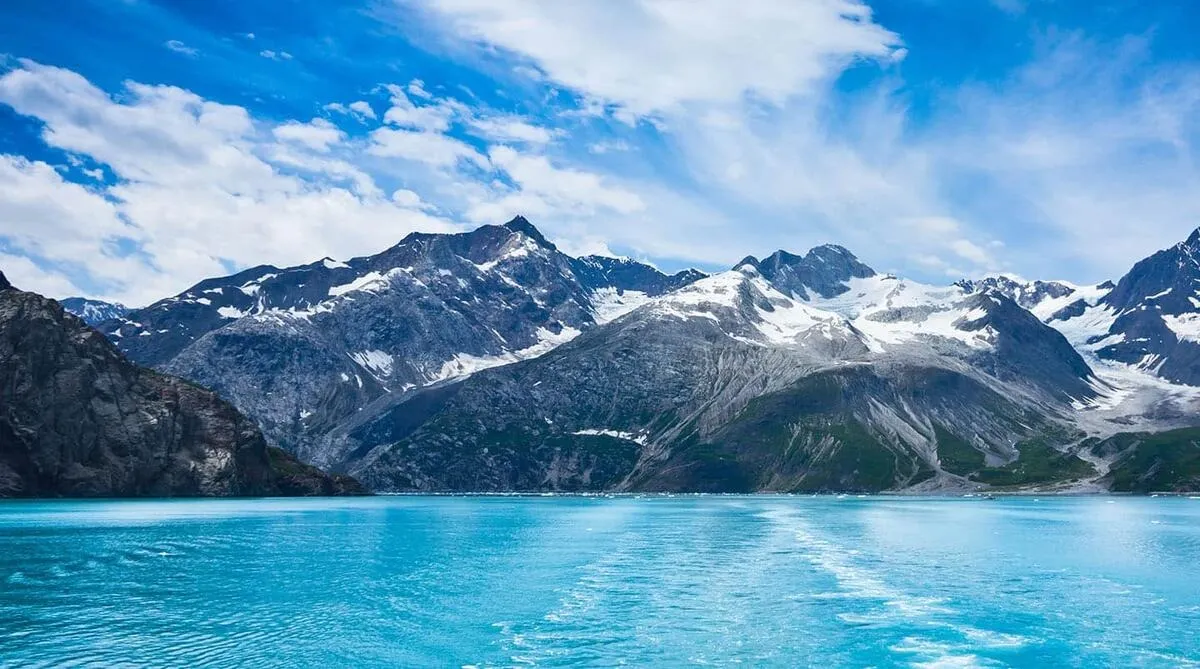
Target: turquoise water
503	581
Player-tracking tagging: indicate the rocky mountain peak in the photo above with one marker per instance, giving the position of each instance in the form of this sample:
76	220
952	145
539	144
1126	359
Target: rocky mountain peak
1150	315
824	270
1028	294
521	225
1166	278
4	284
828	251
1193	240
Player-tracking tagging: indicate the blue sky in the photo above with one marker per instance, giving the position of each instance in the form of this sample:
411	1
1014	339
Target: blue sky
147	145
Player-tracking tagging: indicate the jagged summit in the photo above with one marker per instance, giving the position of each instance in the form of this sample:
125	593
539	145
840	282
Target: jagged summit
824	270
827	250
1193	239
522	225
1043	298
4	284
748	260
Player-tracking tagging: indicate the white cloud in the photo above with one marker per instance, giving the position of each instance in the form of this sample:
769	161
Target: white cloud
275	55
429	117
362	108
416	88
740	93
511	129
544	189
930	226
424	147
944	233
318	134
608	146
60	221
23	273
199	184
1092	187
971	251
409	199
743	98
654	56
179	47
359	109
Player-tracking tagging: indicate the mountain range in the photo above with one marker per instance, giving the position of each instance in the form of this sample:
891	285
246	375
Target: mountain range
492	361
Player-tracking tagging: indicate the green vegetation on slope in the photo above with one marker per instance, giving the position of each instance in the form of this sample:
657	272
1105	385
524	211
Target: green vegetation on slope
955	454
1038	463
1167	461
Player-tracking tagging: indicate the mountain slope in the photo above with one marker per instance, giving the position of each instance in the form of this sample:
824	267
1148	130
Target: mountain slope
77	419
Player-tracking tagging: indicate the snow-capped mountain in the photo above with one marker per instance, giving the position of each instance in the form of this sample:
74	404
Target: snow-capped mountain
303	348
1048	300
93	312
1137	335
1151	319
798	373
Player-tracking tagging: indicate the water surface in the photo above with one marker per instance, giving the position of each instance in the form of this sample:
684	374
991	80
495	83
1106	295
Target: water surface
655	581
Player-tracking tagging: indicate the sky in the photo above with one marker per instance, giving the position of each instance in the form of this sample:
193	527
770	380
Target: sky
148	144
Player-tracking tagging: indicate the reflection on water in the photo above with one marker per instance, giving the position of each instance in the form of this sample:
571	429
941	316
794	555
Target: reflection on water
502	581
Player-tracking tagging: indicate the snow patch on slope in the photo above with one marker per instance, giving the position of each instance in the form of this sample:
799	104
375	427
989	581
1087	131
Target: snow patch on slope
522	249
616	434
464	364
371	282
1185	326
608	304
375	361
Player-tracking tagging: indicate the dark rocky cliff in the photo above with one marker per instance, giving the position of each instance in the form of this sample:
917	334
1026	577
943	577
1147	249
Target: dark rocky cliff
77	419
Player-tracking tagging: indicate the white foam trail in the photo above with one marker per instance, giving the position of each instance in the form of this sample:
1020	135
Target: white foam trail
858	582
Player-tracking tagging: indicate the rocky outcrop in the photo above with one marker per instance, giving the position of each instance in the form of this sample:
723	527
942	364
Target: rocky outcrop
79	420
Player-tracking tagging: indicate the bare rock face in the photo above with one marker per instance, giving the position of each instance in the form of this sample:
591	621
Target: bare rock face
77	419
